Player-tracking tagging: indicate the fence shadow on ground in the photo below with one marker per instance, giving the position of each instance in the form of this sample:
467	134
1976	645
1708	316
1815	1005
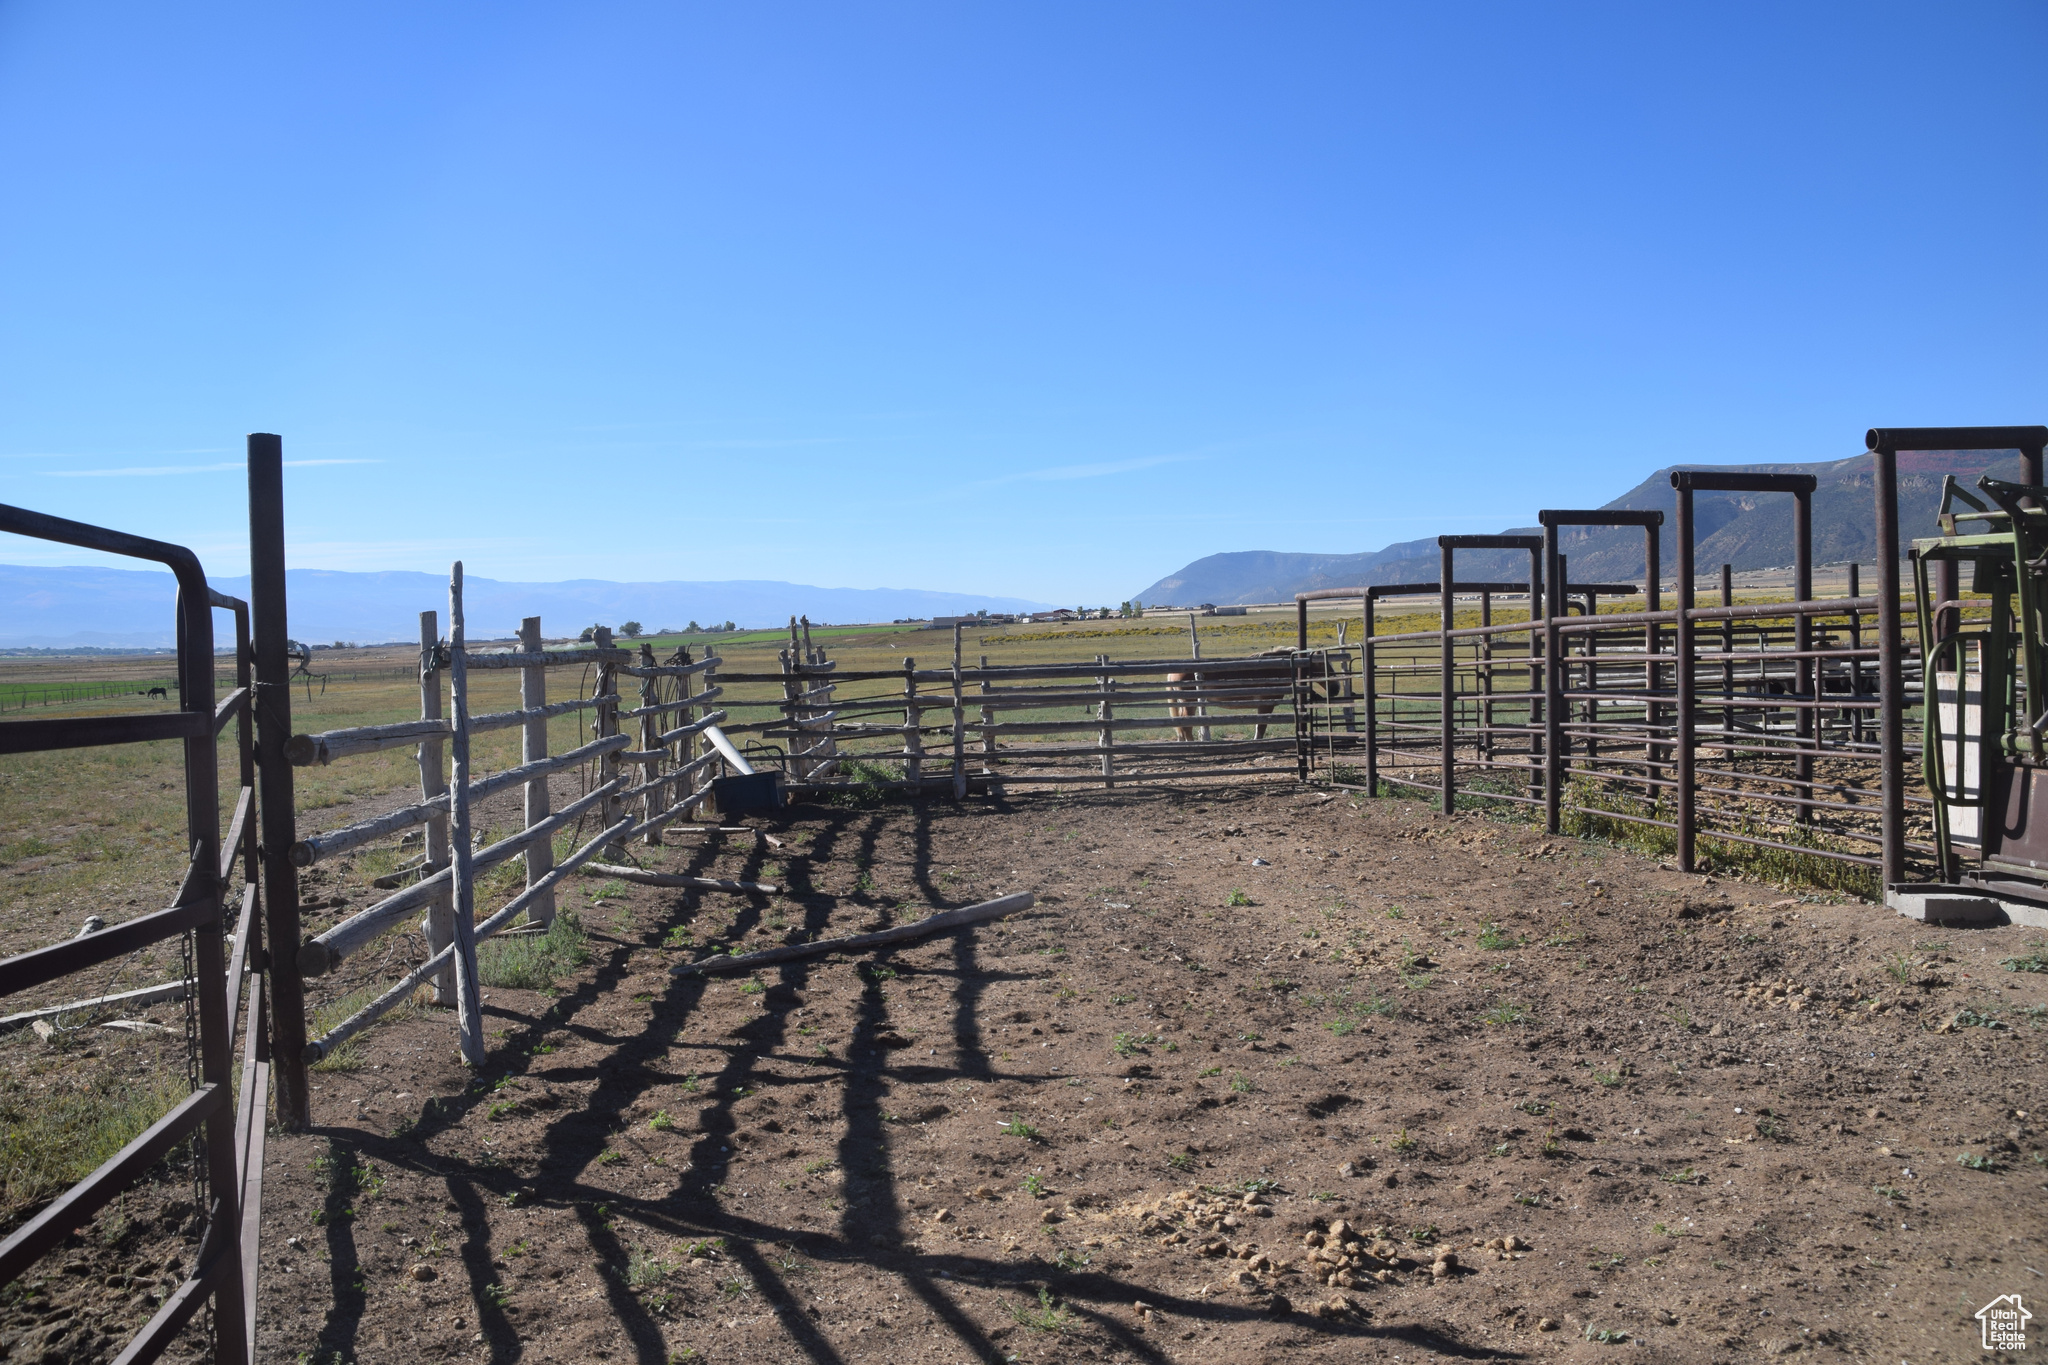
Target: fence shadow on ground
872	1226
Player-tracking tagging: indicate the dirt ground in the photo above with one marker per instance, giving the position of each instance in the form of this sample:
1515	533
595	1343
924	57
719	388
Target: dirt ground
1716	1121
1265	1075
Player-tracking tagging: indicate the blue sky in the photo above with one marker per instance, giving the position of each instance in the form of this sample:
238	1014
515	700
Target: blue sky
1038	300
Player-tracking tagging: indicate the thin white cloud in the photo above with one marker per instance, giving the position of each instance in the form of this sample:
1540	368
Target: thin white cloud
102	455
149	470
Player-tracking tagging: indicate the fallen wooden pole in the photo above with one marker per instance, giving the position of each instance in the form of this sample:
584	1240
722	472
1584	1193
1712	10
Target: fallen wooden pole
644	878
902	933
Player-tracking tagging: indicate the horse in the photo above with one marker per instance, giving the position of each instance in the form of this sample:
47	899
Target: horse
1274	684
159	692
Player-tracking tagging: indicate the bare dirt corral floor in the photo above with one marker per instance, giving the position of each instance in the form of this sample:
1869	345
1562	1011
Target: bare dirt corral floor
1717	1122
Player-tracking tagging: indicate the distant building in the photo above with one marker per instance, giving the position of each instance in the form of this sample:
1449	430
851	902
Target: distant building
1057	614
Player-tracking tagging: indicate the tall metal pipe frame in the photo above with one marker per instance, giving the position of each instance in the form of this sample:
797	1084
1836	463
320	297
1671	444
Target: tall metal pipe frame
1652	523
1728	647
1447	688
1370	596
1884	445
1687	482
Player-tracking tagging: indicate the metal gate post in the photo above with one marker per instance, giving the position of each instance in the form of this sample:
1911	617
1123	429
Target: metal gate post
286	996
1554	609
1891	690
1369	684
1682	647
1806	673
1447	691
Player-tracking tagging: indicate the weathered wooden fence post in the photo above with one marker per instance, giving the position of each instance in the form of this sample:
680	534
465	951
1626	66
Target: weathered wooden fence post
434	782
913	722
605	726
468	1002
533	746
1105	735
988	720
959	723
1201	707
655	799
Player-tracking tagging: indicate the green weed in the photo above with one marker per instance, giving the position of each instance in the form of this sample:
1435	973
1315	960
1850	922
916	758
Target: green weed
534	961
1046	1316
1492	936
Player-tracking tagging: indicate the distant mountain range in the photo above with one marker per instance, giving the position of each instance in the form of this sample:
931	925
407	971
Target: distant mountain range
128	608
1746	530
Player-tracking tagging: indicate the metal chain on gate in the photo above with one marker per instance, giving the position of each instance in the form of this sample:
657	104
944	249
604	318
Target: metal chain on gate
188	944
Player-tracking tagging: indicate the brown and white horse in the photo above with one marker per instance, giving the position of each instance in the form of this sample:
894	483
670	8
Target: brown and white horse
1245	689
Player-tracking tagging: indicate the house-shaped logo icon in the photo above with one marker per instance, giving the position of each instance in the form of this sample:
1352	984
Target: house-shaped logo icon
2005	1321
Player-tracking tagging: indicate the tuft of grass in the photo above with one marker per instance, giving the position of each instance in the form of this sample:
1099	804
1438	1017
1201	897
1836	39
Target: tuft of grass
1504	1014
1045	1316
1242	1085
1403	1142
533	962
1018	1128
52	1138
661	1122
1607	809
1341	1027
645	1270
1494	937
1237	898
869	786
350	1055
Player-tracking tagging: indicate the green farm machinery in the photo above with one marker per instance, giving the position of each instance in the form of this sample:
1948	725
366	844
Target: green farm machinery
1985	690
